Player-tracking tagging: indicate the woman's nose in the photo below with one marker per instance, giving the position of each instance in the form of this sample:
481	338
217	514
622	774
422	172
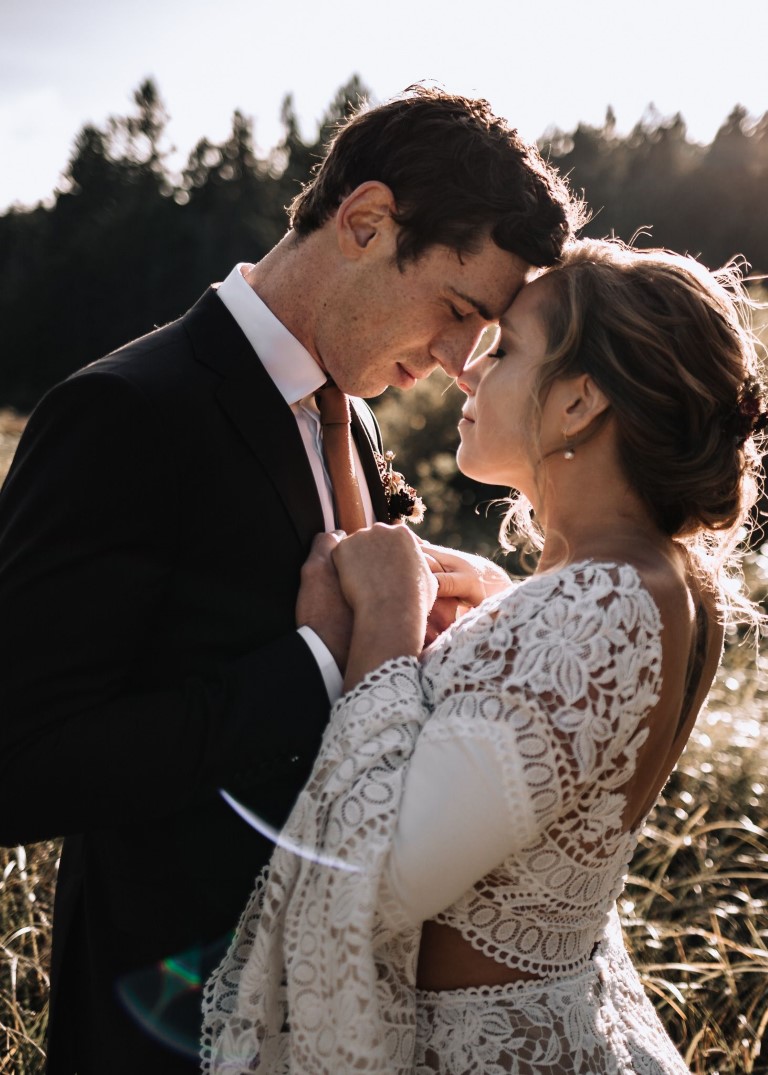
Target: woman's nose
470	376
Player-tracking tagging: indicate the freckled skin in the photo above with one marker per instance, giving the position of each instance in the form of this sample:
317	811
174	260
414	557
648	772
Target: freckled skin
366	320
388	324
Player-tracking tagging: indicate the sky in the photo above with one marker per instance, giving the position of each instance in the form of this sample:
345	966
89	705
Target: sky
541	63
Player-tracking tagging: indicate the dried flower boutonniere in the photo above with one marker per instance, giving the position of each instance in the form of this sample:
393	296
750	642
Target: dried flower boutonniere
402	499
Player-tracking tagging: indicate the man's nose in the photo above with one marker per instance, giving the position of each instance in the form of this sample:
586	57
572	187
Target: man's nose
453	350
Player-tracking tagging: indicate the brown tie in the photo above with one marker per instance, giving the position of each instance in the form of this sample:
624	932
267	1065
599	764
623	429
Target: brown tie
337	446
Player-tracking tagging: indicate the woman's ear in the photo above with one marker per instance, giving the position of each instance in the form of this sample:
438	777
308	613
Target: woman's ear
364	219
582	401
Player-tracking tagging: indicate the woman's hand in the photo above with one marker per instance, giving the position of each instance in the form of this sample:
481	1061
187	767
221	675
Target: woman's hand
464	580
386	580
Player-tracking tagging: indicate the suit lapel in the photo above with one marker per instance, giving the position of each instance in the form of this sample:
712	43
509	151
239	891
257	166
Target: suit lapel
366	448
263	419
258	412
269	428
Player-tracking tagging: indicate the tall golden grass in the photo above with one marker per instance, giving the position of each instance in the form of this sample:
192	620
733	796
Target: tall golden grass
695	908
26	913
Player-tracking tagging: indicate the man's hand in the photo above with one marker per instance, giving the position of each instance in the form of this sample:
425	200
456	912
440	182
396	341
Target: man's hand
386	579
320	604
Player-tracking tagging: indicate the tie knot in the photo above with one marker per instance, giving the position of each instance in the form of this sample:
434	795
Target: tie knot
333	406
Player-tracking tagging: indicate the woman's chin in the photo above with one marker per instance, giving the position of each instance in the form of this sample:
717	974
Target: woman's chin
464	465
473	470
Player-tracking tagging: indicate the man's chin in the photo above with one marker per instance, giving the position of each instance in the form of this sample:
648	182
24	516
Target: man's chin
367	389
370	389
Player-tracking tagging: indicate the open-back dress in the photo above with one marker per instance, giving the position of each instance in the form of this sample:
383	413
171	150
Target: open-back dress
527	717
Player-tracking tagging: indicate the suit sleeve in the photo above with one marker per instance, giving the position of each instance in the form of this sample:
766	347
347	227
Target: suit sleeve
88	527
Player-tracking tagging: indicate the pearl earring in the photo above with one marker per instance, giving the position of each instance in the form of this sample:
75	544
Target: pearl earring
569	453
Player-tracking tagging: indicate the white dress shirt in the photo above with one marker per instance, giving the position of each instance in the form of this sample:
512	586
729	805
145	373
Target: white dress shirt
297	377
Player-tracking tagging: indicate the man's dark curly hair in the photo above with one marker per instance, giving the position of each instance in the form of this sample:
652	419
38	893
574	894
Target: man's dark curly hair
458	174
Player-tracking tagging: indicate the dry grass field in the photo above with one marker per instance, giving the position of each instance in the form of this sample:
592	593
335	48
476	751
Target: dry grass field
695	909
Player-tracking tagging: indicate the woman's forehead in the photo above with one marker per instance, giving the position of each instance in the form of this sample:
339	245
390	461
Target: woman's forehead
529	305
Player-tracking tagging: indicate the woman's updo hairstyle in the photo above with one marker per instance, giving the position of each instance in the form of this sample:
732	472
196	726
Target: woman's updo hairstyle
669	344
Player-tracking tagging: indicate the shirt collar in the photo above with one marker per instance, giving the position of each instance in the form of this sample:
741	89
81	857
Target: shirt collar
290	365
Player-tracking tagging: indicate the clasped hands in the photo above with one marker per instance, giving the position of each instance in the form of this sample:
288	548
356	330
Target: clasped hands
398	591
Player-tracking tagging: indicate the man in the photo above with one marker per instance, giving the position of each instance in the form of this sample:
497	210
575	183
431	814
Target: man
152	531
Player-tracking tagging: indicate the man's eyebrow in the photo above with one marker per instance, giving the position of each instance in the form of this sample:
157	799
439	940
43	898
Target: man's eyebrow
481	308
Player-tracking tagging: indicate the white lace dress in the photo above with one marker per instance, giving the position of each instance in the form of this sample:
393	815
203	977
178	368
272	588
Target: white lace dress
542	695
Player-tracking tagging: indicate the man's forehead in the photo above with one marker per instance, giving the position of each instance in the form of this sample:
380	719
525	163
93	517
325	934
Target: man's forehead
487	279
499	276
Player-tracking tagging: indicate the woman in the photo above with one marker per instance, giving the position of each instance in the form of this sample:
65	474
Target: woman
443	899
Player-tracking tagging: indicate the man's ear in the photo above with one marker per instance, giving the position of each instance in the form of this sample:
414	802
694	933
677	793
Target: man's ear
582	401
364	218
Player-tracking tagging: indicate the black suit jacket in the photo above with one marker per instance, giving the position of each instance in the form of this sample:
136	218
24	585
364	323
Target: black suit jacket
152	530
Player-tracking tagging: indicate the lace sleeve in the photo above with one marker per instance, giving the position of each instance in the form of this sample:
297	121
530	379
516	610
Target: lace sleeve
555	678
300	988
535	701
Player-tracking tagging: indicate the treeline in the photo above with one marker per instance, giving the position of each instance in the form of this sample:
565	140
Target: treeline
125	245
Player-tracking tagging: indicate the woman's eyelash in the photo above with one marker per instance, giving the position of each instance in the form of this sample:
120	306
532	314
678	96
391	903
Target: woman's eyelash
498	353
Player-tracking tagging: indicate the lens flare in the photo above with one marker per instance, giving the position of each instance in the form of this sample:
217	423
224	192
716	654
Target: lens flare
165	999
281	840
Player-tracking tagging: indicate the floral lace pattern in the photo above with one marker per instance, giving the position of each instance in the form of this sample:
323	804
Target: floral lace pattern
597	1020
309	951
579	657
561	673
